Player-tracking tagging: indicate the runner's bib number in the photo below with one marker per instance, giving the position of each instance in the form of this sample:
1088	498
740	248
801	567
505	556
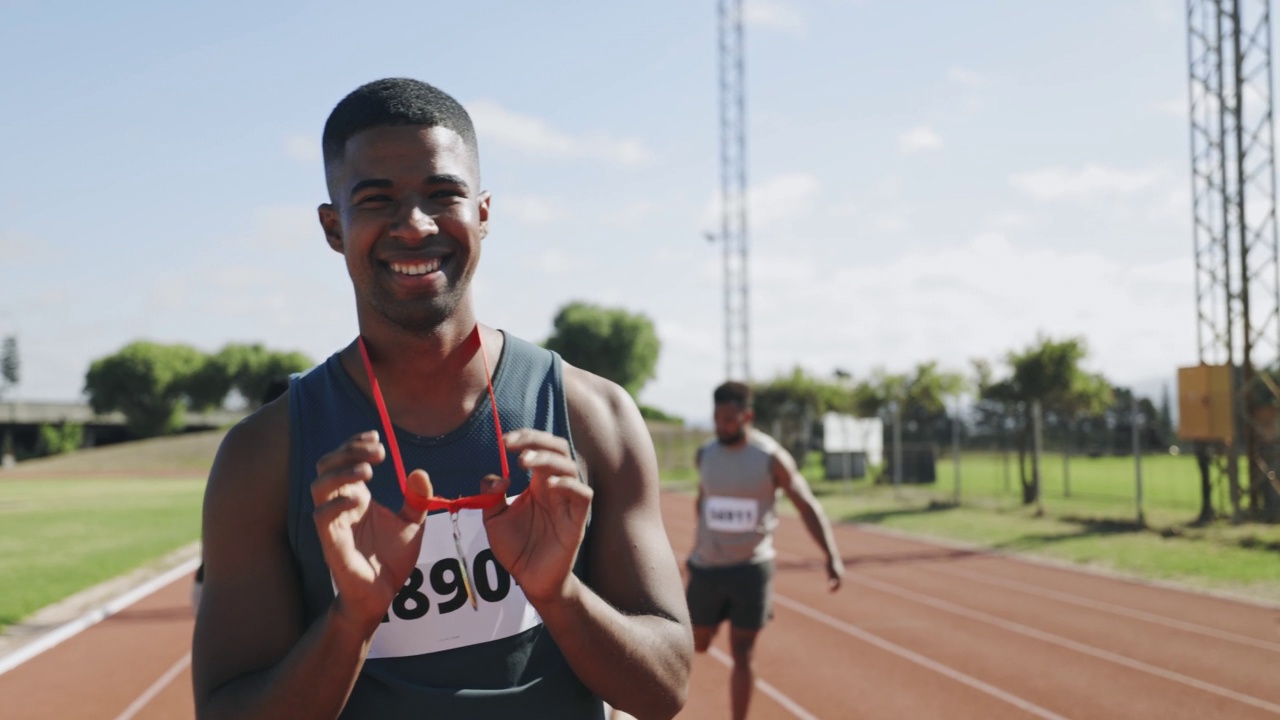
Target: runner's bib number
431	612
731	514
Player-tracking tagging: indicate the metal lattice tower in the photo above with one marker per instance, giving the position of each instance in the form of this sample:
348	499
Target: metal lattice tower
733	191
1234	214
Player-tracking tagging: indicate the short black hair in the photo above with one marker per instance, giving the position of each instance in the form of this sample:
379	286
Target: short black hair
735	392
394	101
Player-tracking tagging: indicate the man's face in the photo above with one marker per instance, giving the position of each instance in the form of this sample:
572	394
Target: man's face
408	216
731	422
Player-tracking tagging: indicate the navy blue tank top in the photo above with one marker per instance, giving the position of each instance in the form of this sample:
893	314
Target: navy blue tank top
436	654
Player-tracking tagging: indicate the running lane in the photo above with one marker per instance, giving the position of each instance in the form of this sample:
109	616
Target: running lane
920	630
1046	642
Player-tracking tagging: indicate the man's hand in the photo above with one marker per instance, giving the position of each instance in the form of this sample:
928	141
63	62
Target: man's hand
835	572
536	537
369	549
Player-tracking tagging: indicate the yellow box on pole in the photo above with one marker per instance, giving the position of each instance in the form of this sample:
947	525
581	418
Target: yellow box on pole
1205	408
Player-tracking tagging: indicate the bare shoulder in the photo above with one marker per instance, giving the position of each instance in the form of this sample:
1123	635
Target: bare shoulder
253	460
632	564
781	465
603	416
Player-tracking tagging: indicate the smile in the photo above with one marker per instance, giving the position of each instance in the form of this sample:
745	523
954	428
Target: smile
417	268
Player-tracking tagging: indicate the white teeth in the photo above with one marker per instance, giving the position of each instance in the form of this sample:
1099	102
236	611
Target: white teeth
417	268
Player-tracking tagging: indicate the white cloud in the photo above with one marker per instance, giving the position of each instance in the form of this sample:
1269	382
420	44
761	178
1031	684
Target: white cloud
977	299
964	76
291	226
302	148
777	199
629	215
774	14
529	209
554	261
16	248
533	136
1056	183
919	139
1177	108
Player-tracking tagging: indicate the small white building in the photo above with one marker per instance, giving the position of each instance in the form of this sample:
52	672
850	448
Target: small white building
851	444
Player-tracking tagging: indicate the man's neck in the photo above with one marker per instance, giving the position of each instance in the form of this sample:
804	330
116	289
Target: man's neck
741	442
430	381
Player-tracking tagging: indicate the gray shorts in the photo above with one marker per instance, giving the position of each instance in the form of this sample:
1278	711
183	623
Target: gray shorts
739	593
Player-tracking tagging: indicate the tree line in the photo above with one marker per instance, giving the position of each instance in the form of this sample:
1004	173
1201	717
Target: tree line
154	384
1082	411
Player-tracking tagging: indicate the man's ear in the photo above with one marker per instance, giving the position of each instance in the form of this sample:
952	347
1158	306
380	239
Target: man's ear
332	226
749	415
483	209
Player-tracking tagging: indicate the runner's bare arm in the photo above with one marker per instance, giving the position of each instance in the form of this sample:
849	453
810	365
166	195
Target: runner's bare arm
787	477
697	465
250	656
627	636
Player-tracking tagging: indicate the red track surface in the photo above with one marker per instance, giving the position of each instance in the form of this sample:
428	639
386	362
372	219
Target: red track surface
919	631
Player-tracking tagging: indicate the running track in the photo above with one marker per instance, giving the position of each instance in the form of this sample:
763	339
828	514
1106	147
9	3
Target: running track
920	630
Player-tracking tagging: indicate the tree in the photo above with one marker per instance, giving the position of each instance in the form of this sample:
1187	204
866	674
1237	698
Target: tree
60	438
147	382
9	366
246	368
609	342
1048	371
919	396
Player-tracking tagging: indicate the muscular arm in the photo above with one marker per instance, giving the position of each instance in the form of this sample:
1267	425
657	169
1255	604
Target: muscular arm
787	477
626	636
250	655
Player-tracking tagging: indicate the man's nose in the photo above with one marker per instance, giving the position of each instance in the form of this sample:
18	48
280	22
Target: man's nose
412	224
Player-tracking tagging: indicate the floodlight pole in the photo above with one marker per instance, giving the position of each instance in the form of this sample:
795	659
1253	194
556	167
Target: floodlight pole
1233	195
733	190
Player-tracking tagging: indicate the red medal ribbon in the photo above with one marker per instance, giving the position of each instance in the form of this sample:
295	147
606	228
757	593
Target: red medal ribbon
415	501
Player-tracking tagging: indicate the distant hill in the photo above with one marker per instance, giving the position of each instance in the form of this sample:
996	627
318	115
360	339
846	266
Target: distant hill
186	454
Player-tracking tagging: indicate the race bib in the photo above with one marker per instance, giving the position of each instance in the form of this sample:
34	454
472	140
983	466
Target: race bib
730	514
432	612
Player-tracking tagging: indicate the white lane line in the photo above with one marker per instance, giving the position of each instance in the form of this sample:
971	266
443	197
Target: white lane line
93	617
1060	641
901	652
1062	566
917	658
156	687
765	688
1108	607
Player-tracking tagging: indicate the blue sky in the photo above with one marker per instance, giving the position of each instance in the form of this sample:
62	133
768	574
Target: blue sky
930	180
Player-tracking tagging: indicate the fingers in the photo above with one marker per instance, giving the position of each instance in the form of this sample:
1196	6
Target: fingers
329	512
352	462
527	439
417	490
835	575
548	463
494	485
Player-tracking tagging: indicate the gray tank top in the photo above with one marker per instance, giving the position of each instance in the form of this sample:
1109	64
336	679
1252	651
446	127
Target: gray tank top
435	654
739	503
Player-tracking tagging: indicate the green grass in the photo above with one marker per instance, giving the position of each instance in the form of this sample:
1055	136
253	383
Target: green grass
58	537
1168	482
1094	527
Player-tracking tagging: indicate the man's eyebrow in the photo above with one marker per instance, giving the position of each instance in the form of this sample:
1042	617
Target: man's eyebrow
370	183
447	180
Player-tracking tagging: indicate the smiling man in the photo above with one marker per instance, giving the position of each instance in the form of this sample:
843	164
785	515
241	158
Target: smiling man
375	545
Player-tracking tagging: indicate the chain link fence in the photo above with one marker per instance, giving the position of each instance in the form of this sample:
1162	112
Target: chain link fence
1079	472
